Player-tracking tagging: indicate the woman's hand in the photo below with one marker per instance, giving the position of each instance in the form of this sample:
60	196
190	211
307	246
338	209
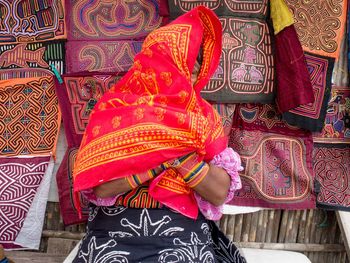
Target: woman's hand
209	181
214	186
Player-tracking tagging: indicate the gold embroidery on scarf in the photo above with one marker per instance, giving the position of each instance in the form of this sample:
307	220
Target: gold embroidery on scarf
116	121
181	117
177	38
160	113
139	113
148	52
166	76
96	130
183	96
174	183
163	101
102	106
167	138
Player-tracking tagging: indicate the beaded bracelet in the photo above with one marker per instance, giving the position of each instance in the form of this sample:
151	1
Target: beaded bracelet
138	179
192	170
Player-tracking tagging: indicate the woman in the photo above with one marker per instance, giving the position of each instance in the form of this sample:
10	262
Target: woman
145	206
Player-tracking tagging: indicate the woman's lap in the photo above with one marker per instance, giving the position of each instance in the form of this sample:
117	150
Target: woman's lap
118	234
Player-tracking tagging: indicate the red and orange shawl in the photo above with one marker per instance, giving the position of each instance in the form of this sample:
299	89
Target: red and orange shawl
154	113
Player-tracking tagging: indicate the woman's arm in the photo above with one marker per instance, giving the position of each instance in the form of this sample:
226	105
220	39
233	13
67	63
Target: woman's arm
122	185
112	188
214	186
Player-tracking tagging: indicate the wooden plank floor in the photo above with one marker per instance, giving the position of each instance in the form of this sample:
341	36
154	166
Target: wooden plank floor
34	257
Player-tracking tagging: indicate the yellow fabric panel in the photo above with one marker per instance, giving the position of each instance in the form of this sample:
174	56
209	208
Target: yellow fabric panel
281	15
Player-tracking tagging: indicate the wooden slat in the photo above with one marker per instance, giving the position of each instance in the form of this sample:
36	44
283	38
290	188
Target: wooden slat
231	227
302	227
60	246
238	227
283	227
253	227
62	234
294	246
246	227
34	257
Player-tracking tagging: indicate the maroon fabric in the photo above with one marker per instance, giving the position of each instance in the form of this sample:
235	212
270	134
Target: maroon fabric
163	8
294	86
65	191
277	160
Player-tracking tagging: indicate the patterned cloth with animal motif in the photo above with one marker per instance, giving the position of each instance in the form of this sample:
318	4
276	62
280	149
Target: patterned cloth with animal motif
246	69
277	160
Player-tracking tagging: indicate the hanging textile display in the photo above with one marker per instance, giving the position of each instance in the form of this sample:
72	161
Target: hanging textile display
332	169
19	181
220	7
15	73
106	37
116	20
30	117
337	122
311	116
77	96
226	112
32	21
31	231
341	74
277	160
64	178
320	25
246	69
32	55
104	56
294	87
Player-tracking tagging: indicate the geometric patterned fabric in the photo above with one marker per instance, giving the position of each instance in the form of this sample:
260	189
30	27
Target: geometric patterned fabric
29	117
332	169
31	21
337	122
320	25
77	96
106	36
246	70
311	116
32	55
111	20
65	190
19	180
277	160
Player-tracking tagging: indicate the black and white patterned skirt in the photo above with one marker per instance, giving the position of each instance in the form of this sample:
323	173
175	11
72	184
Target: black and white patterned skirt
120	234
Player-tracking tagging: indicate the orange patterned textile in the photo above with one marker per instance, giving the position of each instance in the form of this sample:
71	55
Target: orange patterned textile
320	25
154	113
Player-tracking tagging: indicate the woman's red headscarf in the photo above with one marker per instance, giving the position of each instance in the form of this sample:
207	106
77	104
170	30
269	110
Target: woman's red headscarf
154	113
